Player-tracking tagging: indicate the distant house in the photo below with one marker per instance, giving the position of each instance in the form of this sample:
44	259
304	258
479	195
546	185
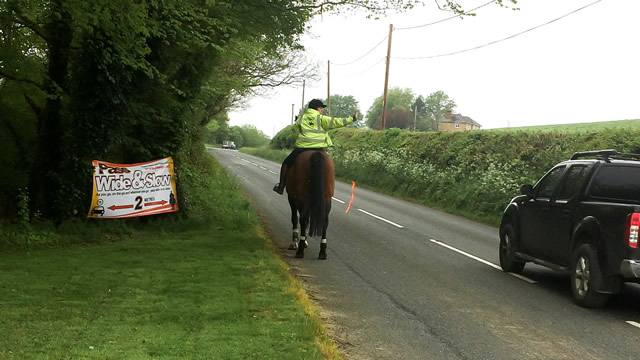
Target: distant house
455	122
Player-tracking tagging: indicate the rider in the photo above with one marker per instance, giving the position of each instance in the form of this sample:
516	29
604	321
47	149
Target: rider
313	134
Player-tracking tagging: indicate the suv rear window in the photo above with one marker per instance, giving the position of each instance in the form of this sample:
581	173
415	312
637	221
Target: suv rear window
617	182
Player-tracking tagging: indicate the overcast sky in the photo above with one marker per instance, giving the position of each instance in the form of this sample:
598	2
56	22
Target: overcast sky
584	67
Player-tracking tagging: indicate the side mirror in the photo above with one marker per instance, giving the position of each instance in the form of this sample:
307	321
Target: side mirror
526	189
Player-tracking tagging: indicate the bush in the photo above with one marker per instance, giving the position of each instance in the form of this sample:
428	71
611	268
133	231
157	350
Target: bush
473	173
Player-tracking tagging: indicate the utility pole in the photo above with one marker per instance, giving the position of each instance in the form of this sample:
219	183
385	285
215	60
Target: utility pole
328	87
291	114
386	79
303	81
415	116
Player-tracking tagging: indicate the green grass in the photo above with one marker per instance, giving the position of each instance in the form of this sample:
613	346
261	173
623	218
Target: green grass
581	127
199	294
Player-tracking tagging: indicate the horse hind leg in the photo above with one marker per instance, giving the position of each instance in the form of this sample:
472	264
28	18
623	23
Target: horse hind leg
323	243
294	240
294	223
323	249
302	243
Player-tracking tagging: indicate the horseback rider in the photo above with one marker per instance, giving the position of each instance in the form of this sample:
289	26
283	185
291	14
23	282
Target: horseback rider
313	134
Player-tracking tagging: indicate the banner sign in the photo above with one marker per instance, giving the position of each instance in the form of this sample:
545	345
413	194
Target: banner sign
121	191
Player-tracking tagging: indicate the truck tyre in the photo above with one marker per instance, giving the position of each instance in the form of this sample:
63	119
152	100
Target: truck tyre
508	245
586	277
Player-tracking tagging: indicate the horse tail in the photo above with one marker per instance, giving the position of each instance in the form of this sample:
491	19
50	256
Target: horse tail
317	204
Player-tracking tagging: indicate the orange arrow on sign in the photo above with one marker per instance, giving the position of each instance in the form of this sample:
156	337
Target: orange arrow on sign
155	203
118	207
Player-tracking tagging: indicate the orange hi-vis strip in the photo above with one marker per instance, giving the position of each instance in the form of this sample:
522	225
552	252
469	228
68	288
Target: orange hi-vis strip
353	186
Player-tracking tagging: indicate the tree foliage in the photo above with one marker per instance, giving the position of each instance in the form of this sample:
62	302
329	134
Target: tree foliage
434	108
128	81
397	98
343	106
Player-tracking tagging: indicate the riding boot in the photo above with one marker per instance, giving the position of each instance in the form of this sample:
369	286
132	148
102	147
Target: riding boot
279	187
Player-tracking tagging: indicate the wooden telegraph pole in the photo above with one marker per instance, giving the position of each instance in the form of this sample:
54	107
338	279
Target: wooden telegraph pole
303	81
386	79
328	87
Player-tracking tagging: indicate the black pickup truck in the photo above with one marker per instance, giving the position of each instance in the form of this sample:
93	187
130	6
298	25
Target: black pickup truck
581	218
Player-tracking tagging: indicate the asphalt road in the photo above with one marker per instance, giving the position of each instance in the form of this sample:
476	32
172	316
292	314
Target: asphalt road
403	281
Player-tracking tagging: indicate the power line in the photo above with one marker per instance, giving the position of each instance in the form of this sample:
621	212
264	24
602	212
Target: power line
443	20
367	69
497	41
367	53
407	28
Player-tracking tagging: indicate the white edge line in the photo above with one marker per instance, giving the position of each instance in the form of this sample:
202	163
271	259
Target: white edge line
381	218
633	323
481	260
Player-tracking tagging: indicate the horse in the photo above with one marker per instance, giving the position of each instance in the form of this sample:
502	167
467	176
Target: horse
310	183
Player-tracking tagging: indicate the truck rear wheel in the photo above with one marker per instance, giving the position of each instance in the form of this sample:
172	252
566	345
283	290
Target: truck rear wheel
508	245
586	277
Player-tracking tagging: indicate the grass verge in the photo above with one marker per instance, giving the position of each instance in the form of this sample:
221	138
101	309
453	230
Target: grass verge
197	294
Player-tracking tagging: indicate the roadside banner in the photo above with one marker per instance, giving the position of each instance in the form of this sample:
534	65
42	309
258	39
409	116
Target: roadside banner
127	190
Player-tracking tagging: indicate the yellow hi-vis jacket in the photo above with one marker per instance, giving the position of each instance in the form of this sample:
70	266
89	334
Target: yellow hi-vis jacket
314	128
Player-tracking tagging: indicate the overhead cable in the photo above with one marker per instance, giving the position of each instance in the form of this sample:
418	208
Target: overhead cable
367	69
497	41
367	53
443	20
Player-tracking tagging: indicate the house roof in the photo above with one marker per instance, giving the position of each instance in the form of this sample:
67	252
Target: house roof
459	118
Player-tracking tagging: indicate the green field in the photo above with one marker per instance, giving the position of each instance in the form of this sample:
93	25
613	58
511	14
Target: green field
580	127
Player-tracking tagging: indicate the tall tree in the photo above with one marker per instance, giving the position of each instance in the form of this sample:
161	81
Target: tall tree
436	106
343	106
397	98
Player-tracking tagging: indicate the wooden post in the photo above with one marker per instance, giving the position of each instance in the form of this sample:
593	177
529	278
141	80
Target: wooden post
328	87
386	79
303	81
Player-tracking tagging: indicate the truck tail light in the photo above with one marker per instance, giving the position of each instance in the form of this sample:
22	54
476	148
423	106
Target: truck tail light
632	229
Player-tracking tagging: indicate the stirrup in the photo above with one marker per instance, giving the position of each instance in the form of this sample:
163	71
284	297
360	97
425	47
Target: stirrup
278	189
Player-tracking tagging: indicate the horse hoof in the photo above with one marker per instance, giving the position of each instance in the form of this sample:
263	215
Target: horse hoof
293	247
322	256
299	255
306	244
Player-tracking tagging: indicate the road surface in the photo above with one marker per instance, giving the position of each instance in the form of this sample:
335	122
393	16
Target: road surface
403	281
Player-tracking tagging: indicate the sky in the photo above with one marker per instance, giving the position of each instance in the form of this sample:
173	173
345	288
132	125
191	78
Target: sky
584	67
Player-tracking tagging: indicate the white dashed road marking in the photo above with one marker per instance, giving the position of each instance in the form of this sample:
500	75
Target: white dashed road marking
481	260
338	200
633	323
381	218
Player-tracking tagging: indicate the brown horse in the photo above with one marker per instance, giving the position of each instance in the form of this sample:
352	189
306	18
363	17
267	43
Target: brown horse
310	184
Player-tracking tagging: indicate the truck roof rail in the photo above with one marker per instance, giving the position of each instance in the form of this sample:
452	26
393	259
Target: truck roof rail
605	154
601	153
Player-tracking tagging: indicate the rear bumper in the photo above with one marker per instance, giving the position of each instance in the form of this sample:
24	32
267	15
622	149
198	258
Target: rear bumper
630	269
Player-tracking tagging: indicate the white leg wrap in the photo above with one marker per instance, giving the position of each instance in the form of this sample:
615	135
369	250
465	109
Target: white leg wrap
323	241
